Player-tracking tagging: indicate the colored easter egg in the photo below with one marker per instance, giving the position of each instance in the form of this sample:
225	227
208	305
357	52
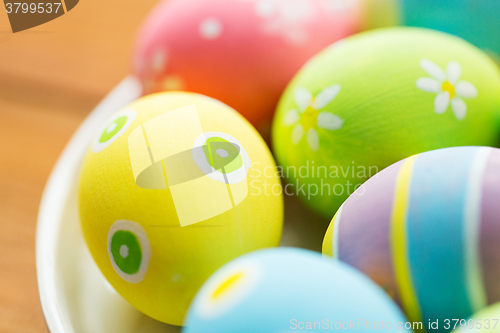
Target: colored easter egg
242	52
378	97
486	320
474	20
286	289
171	189
427	230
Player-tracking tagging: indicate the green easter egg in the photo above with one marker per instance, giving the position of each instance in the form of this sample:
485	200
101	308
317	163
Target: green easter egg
373	99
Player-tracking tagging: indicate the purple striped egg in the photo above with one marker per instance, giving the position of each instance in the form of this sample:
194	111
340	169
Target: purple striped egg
427	229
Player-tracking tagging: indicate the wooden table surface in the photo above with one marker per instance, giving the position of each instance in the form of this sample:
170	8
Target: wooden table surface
51	77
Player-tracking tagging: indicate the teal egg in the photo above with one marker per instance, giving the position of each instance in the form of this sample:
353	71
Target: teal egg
477	21
378	97
285	290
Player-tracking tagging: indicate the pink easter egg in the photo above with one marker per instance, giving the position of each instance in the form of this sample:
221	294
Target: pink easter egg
241	52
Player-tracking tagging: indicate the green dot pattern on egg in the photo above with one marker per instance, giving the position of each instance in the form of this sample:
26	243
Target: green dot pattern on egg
222	155
126	251
113	128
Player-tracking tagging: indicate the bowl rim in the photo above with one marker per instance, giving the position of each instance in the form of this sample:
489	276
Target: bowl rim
54	199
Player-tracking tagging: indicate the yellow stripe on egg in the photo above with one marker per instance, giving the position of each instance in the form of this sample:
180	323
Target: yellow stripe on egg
399	240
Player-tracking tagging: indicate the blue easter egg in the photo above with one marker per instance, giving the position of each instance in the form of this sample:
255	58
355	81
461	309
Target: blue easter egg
284	290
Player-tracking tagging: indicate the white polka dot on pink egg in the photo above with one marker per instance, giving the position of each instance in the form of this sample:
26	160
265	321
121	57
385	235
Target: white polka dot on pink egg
210	28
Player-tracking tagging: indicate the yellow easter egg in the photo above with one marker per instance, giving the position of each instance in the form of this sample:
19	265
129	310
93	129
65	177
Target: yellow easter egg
174	186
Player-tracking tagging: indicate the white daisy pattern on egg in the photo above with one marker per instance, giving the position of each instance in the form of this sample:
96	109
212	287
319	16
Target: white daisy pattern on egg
285	18
447	86
308	116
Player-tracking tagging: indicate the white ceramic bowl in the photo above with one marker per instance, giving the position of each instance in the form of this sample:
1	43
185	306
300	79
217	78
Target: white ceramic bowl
74	294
